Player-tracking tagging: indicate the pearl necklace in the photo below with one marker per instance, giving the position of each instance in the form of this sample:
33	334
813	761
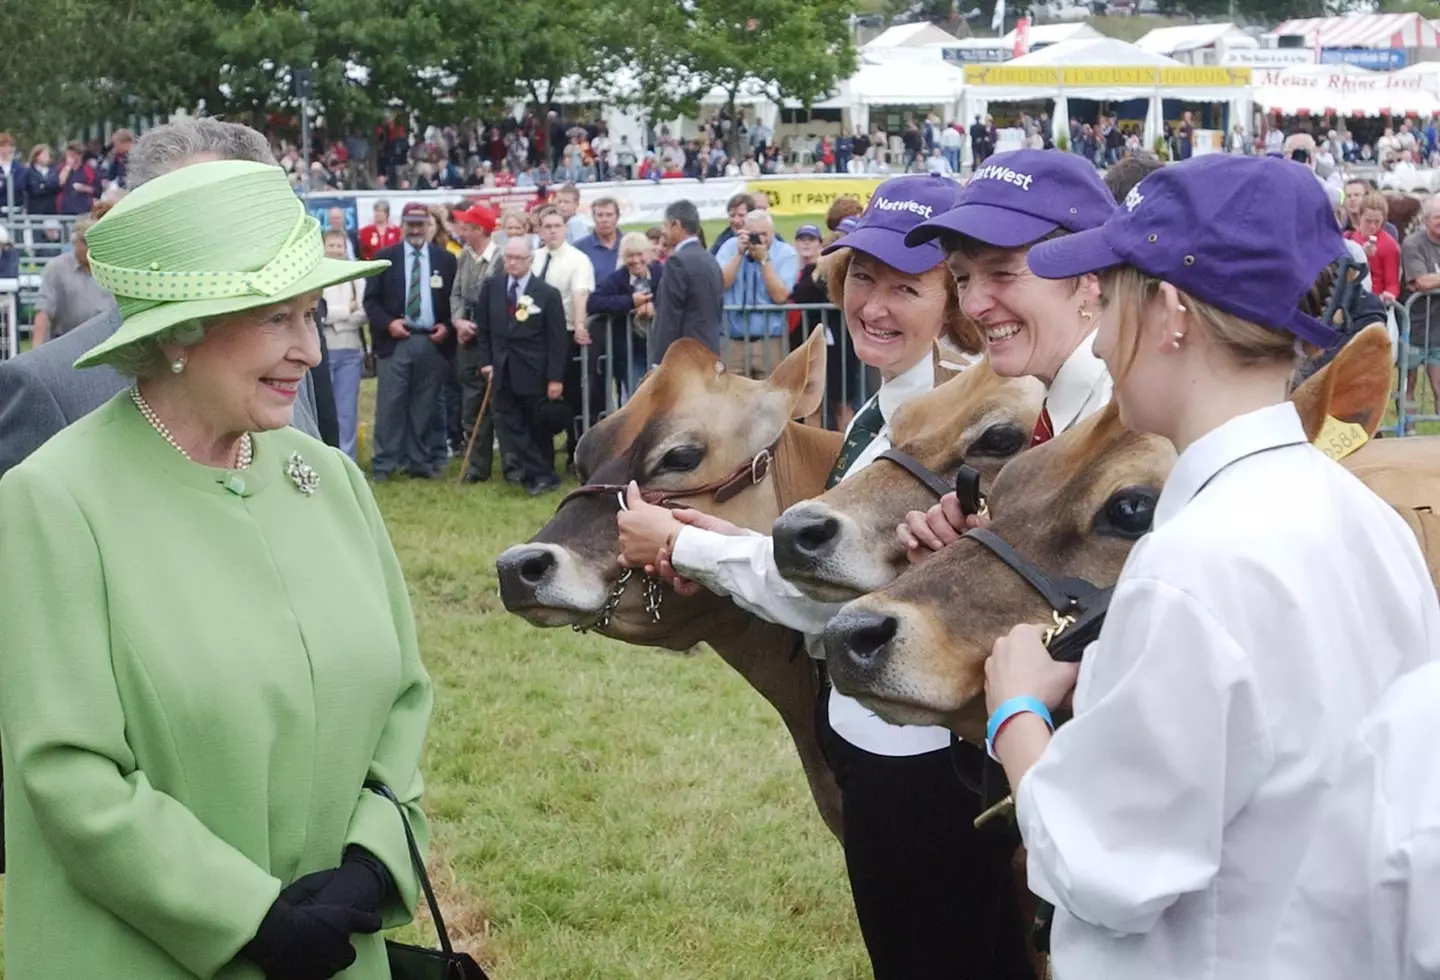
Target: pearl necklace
244	455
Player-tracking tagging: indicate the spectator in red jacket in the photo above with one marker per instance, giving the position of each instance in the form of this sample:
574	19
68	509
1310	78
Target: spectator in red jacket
380	235
1382	252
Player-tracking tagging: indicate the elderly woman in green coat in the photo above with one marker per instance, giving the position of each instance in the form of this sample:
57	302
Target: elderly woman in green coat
206	646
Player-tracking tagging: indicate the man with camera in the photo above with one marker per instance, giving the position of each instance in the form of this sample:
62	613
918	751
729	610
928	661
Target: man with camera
757	270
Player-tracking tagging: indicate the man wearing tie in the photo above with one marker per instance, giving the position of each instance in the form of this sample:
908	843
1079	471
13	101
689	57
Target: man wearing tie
410	322
522	340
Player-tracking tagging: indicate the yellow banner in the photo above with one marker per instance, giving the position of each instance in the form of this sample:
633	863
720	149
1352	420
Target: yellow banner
1102	75
1001	75
1144	77
813	196
1208	77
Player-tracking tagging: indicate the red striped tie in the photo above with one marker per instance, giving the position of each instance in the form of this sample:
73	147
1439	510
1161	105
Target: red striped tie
1044	428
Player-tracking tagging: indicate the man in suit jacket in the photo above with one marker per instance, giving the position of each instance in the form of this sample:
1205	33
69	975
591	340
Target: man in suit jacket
523	347
40	391
691	297
411	333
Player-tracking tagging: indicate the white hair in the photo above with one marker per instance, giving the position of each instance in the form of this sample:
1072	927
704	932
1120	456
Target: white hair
1428	203
165	148
635	243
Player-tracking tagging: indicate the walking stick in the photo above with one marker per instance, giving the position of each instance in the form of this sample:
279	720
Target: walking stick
475	429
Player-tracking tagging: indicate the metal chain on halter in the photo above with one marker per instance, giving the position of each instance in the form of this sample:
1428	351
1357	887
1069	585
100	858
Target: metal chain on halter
653	597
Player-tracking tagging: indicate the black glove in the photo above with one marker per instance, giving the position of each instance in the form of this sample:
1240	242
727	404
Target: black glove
361	882
310	942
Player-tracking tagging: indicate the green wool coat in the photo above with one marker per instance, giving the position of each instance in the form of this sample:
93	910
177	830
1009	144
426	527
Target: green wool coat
195	681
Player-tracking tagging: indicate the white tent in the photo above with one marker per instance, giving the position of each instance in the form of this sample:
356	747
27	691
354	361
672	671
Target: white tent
1047	34
1103	69
903	43
933	84
1344	90
1196	44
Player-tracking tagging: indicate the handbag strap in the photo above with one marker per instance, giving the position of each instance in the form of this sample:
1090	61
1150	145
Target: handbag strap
416	859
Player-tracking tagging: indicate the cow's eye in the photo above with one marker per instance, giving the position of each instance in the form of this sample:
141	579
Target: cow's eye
1128	513
681	459
1001	440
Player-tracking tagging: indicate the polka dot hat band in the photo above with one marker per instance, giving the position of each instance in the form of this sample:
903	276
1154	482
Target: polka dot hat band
296	258
207	240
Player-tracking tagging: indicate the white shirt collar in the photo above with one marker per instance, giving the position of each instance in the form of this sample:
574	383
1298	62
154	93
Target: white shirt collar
687	241
906	385
1244	435
521	284
1077	378
489	252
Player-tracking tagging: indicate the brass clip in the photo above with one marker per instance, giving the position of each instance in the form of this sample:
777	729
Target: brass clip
1004	808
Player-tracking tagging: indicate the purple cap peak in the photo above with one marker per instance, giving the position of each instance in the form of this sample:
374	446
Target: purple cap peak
1017	198
896	207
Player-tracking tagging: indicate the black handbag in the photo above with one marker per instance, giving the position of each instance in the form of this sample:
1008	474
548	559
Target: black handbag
367	358
418	962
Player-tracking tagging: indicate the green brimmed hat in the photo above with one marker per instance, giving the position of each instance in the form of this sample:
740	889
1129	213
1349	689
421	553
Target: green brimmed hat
203	241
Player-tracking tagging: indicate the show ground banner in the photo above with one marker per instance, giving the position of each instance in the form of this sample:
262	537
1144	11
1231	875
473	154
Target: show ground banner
640	202
1101	75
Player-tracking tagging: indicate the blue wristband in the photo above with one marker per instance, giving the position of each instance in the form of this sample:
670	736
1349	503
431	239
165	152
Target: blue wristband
1009	709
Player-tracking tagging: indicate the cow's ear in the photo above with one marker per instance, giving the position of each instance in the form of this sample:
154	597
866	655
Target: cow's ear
802	376
1353	387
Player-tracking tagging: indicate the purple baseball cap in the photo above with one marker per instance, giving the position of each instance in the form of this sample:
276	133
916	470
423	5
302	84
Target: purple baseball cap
1186	224
1018	198
897	206
846	225
810	231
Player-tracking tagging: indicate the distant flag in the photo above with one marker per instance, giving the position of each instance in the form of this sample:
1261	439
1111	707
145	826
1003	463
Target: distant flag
1317	45
1022	37
997	20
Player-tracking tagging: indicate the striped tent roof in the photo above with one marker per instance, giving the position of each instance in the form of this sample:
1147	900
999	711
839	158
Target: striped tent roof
1365	31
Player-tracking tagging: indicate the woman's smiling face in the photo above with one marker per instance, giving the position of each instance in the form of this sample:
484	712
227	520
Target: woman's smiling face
893	317
1031	325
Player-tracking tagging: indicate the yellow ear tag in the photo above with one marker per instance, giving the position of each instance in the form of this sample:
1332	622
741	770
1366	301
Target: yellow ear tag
1339	439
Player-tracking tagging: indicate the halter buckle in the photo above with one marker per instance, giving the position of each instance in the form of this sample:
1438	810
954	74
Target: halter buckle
760	466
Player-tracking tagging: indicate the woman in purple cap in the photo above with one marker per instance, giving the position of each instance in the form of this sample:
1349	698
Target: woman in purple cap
1032	326
932	894
1167	821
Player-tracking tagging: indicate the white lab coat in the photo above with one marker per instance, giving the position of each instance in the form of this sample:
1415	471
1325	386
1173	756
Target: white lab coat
1366	901
1248	635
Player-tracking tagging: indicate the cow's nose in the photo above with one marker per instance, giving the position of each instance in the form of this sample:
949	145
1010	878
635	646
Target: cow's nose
860	637
804	537
522	571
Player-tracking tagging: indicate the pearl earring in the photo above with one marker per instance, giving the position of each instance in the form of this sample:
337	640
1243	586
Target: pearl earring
1087	315
1176	338
177	365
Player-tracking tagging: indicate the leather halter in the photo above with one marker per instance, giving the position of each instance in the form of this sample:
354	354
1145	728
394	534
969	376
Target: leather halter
967	480
752	474
1078	606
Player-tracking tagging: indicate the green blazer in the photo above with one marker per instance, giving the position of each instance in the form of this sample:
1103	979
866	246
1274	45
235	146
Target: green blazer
195	681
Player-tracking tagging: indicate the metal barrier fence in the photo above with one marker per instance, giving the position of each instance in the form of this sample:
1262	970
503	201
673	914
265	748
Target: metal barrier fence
38	238
618	357
1418	362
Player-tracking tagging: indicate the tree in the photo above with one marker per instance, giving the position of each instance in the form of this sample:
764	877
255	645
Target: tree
797	49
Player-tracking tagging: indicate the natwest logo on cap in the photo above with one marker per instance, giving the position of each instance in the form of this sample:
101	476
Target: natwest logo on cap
1133	199
915	207
997	172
